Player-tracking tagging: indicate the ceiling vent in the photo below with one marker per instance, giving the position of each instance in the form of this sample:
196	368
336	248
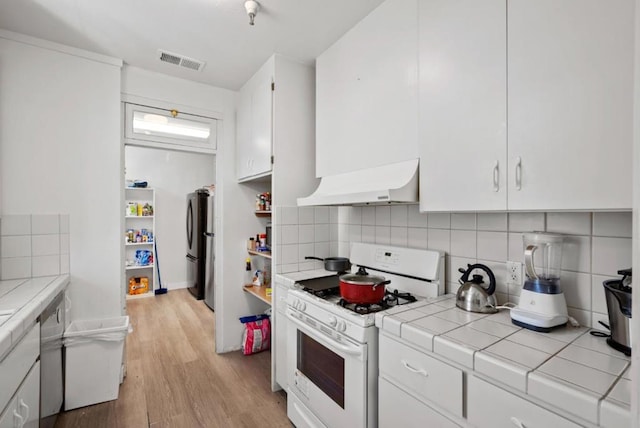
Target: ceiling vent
180	60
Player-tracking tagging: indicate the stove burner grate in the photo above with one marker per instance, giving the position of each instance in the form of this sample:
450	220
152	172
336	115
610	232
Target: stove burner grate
391	298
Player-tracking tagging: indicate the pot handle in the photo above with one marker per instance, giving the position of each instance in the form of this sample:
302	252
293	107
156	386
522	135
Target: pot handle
388	281
492	279
314	258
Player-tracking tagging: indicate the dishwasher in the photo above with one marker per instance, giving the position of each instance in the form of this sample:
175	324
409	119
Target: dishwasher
51	361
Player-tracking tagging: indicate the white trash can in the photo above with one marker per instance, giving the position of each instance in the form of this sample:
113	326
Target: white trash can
93	358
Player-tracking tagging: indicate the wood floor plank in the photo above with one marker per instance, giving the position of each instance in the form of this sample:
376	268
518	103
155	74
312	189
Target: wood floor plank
175	379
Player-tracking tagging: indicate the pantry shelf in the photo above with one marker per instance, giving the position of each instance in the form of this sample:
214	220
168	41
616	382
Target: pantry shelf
263	213
139	267
149	293
261	292
133	244
265	254
139	216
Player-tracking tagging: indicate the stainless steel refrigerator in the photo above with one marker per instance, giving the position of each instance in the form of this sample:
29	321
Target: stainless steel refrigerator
200	245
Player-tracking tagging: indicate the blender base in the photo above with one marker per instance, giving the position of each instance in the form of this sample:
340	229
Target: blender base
535	327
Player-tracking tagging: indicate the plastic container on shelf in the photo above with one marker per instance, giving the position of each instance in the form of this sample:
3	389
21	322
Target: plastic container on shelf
93	355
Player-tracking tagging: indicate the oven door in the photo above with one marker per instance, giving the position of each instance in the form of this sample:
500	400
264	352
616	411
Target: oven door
327	373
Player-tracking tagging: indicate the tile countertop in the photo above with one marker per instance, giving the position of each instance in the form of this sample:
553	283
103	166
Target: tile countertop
568	365
21	303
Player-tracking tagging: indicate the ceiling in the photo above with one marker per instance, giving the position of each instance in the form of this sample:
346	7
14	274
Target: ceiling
214	31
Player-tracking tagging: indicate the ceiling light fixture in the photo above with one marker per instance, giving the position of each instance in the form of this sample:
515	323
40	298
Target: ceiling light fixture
251	7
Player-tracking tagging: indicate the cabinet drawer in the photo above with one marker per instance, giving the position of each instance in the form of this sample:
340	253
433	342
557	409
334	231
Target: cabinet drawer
17	363
398	408
490	406
430	379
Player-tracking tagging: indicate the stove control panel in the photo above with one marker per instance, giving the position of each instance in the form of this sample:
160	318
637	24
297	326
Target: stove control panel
387	257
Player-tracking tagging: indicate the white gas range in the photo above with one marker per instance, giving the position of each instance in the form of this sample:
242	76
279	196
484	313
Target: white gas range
332	345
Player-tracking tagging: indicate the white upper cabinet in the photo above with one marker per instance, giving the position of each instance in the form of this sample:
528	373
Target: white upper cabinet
366	89
570	109
526	105
463	105
255	124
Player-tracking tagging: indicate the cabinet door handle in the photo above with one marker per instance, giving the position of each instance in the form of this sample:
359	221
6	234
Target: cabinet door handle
496	177
26	410
518	173
515	421
407	366
17	417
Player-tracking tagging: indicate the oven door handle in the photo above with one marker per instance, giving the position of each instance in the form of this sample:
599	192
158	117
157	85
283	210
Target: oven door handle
350	350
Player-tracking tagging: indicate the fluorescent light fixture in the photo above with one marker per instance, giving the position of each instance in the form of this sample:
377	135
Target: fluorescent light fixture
148	123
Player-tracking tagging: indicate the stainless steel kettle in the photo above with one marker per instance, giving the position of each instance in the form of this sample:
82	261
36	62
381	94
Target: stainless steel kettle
472	295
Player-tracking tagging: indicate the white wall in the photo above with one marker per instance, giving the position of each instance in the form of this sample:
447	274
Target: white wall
172	174
60	153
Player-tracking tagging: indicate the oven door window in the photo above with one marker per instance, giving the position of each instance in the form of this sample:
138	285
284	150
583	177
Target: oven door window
322	366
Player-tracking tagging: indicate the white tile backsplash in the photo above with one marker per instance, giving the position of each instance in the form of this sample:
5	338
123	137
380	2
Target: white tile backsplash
465	221
439	220
15	267
289	215
306	250
34	245
612	224
463	243
610	255
492	221
492	246
597	245
399	236
369	216
306	215
15	246
45	245
383	216
16	225
45	224
415	218
526	222
569	223
399	216
45	265
321	215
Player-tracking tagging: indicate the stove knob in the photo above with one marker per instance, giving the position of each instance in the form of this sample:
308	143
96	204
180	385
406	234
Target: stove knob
296	304
302	306
342	326
332	321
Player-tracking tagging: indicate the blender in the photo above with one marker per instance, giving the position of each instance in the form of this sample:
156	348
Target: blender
542	306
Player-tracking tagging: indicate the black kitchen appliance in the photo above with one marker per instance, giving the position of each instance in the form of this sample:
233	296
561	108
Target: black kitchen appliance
618	295
200	245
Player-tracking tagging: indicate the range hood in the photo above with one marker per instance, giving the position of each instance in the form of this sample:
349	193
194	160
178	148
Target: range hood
392	183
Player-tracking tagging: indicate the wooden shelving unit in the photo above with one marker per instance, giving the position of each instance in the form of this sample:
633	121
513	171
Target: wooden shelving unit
265	254
263	213
261	292
139	195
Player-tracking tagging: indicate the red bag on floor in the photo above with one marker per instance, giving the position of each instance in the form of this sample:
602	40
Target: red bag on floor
257	334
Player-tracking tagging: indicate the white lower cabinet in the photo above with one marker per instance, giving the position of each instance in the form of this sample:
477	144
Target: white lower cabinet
279	342
399	409
490	406
425	377
23	411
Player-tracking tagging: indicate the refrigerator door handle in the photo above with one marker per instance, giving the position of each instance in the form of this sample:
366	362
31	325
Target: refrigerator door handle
190	224
211	234
189	256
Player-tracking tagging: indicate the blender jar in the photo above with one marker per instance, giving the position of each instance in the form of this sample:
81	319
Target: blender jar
543	261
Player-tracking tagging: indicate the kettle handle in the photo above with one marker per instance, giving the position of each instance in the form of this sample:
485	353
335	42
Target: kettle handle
492	279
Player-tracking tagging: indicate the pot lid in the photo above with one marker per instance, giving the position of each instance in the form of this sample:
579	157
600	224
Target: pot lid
359	279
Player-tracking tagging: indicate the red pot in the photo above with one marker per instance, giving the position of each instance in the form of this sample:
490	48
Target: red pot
362	289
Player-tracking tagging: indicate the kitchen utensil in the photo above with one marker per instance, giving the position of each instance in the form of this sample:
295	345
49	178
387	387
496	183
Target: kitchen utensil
362	288
472	295
618	295
334	264
542	305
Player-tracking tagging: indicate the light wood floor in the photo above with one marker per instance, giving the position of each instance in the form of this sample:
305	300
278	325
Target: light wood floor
175	379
